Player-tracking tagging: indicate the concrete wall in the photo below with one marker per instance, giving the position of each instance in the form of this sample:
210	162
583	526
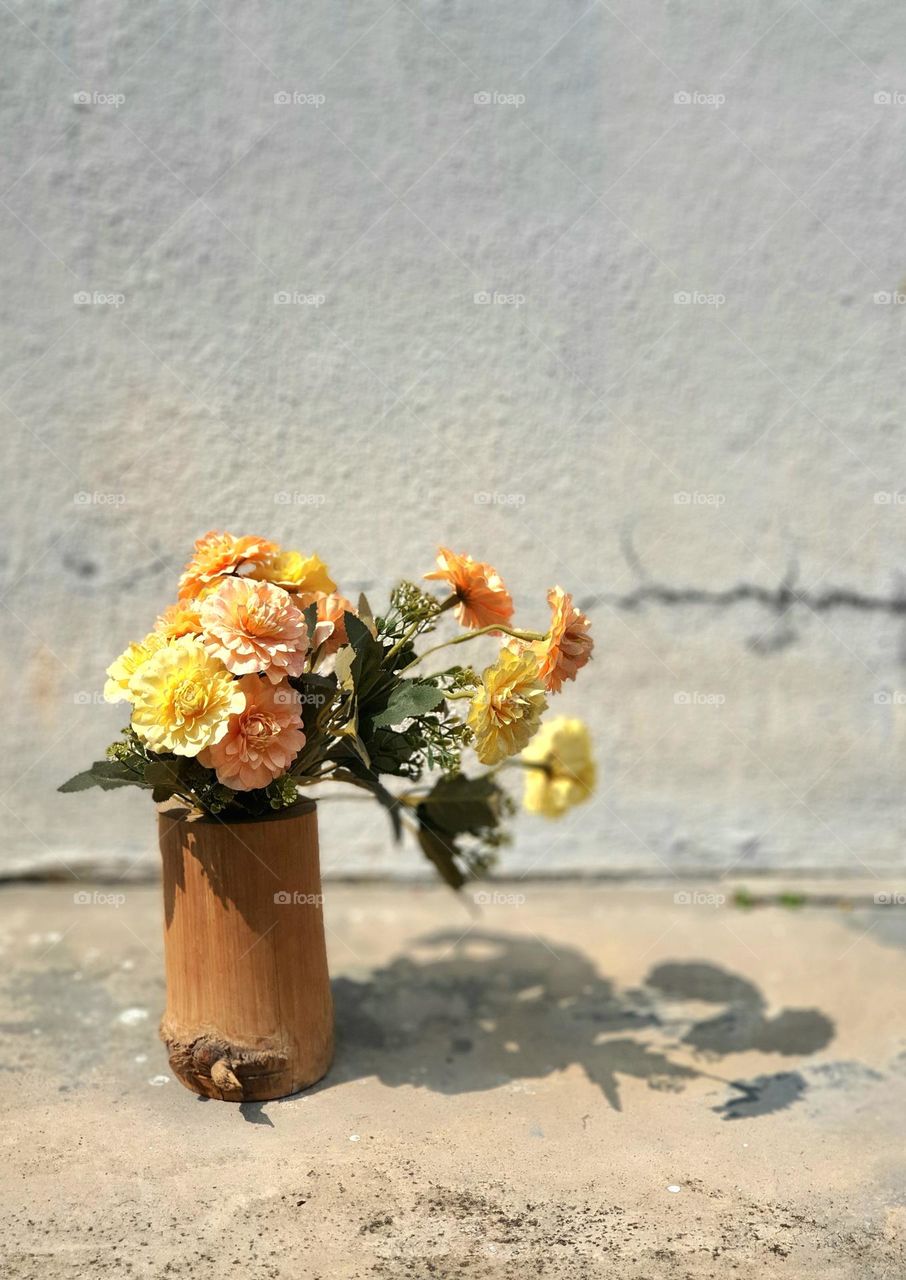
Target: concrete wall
683	398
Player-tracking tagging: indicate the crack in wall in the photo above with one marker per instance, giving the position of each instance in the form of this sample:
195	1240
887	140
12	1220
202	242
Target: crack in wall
781	599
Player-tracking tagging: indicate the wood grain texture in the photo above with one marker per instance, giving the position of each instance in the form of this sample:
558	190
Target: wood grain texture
249	1012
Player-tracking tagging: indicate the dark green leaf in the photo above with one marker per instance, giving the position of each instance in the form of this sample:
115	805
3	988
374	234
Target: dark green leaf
106	774
459	804
441	851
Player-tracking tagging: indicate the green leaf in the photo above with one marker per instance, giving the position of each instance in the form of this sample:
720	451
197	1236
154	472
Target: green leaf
441	851
390	751
310	614
460	805
106	774
162	774
410	698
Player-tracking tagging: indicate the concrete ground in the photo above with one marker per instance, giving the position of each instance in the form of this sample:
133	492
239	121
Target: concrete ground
580	1080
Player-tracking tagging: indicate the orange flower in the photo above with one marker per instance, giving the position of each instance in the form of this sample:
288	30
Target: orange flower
261	741
483	599
217	554
331	609
569	645
254	626
178	620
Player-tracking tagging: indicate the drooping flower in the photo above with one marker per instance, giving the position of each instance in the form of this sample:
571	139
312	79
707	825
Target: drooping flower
254	626
507	709
121	671
331	609
568	646
261	740
218	554
483	600
293	571
183	698
561	769
179	619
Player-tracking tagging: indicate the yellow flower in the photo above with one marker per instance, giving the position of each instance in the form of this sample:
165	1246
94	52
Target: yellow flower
294	572
121	671
184	698
507	709
562	768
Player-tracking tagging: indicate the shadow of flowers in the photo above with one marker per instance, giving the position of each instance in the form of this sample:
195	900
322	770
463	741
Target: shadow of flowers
472	1013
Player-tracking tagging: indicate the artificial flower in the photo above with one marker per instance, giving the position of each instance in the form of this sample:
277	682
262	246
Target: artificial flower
261	740
183	698
121	671
483	600
561	770
331	610
507	709
219	554
179	619
254	626
293	571
568	646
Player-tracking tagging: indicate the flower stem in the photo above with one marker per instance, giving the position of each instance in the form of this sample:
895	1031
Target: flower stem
482	631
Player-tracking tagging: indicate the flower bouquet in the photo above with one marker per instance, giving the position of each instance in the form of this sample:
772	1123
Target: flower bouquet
261	682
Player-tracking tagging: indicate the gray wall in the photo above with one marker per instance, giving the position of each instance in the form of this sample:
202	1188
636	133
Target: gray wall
681	465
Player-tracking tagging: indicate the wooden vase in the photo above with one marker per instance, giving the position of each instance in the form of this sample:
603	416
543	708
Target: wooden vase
249	1013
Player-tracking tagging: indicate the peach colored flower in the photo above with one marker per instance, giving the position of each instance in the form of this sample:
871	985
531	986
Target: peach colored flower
483	599
254	626
568	646
218	554
179	620
293	571
331	609
262	740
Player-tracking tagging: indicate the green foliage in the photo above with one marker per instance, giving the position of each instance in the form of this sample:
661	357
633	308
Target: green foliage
459	826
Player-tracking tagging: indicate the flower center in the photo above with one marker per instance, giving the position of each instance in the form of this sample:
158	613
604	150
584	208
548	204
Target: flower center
189	698
260	728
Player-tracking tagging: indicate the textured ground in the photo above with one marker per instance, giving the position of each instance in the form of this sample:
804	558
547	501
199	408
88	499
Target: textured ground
517	1092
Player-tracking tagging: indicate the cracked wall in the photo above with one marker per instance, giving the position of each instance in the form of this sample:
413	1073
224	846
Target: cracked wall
619	335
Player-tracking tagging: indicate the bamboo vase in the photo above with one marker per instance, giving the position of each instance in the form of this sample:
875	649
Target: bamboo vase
249	1014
